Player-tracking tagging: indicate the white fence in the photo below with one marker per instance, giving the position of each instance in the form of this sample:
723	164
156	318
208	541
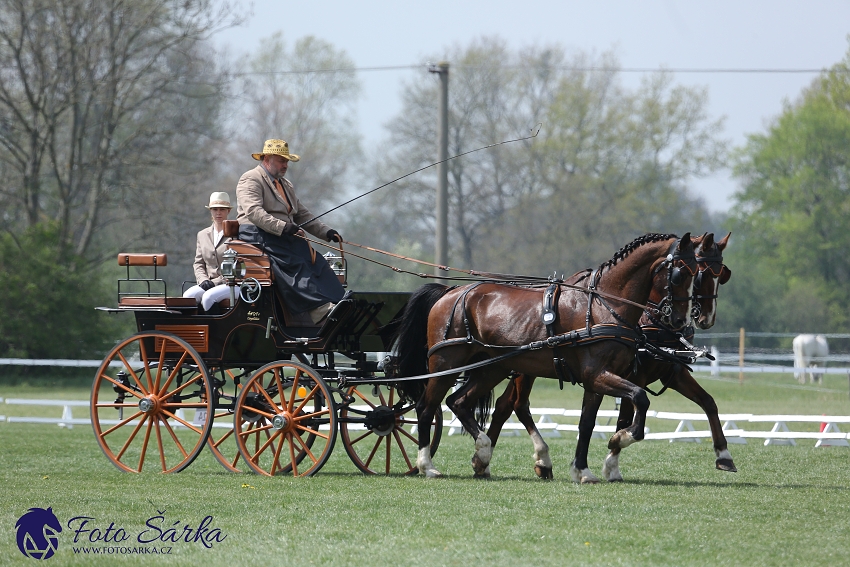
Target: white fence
830	433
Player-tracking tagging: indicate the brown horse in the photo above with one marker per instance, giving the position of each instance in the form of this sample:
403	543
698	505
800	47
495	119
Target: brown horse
593	341
712	274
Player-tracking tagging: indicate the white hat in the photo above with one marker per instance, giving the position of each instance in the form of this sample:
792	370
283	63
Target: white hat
221	200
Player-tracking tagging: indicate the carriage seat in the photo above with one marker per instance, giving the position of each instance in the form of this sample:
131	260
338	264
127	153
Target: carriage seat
151	297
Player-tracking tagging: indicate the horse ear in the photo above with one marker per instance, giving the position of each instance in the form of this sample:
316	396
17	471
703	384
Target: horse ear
721	244
685	238
707	240
725	274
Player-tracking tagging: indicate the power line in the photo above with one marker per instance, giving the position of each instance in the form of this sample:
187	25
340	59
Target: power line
592	69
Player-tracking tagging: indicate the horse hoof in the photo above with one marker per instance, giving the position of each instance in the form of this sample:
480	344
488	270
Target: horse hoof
544	473
433	473
589	479
725	465
479	468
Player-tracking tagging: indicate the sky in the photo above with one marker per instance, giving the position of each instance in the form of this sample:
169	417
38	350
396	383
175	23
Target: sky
648	34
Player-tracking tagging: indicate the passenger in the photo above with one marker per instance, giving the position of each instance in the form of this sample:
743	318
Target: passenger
269	214
209	253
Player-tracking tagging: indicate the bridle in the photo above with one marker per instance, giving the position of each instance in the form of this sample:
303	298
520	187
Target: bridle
675	263
713	264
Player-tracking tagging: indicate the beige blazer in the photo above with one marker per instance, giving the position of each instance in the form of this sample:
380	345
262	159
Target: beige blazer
259	203
208	256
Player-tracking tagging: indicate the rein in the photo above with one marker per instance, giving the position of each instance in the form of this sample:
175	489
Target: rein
477	276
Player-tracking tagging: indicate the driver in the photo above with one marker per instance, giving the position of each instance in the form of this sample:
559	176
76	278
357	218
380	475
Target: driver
269	213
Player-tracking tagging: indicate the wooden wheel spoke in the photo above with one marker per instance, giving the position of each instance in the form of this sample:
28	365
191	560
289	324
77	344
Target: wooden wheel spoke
183	421
306	449
183	386
276	461
264	446
402	449
304	416
364	436
173	373
292	454
131	372
143	355
174	438
279	385
306	399
122	423
159	444
223	438
365	399
381	397
312	432
122	386
374	450
406	433
256	429
295	380
145	442
130	438
159	369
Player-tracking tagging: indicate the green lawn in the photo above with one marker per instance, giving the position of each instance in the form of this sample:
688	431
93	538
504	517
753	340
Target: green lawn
787	505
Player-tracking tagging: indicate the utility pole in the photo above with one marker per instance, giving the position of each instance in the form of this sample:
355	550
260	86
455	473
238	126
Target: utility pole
441	255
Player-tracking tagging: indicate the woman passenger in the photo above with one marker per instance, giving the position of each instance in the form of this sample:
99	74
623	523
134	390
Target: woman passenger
211	245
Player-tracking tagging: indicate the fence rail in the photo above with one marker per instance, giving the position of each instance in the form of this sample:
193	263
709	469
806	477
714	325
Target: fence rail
780	434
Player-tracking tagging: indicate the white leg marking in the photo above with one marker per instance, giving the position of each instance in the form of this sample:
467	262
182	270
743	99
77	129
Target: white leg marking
541	451
426	467
483	449
611	468
583	476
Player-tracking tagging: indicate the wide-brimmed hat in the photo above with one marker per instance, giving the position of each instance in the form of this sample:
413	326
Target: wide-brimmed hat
276	148
219	200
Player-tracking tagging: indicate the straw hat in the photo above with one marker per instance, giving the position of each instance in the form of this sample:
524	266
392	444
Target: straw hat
276	148
219	200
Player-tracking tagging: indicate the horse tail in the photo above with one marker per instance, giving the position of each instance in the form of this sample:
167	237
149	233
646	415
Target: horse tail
483	407
411	339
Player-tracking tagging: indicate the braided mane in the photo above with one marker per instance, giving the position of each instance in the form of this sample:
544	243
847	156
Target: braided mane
633	245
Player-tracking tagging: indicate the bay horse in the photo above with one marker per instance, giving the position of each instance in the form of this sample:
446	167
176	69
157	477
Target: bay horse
492	329
712	274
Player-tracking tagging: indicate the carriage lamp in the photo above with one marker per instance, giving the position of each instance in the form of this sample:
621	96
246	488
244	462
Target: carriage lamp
338	265
231	270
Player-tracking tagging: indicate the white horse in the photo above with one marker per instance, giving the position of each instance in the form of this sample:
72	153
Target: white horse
810	351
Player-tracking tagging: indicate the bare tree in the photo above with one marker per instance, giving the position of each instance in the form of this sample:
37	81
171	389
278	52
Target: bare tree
95	96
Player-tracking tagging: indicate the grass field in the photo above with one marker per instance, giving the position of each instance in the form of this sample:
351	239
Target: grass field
787	505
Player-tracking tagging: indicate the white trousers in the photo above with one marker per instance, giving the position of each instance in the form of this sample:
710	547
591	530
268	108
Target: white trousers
209	297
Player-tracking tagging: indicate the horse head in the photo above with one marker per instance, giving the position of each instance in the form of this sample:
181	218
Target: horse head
712	274
657	259
669	299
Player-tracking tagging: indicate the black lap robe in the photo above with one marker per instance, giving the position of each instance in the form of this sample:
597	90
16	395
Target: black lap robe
302	285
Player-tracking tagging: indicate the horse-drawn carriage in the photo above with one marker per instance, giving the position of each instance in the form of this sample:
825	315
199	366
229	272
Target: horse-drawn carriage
264	389
279	390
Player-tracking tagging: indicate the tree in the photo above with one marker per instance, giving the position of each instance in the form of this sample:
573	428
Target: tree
791	214
95	95
608	164
304	95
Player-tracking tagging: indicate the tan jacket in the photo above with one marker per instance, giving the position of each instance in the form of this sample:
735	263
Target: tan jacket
208	257
259	203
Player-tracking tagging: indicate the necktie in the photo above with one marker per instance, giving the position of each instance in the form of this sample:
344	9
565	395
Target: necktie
279	187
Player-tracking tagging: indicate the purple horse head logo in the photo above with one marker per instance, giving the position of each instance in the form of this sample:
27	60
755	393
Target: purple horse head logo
38	533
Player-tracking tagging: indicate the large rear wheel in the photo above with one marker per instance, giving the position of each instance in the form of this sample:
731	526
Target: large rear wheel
221	442
285	421
379	431
151	402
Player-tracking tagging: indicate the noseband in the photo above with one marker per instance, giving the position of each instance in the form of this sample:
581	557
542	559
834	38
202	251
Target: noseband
713	265
675	262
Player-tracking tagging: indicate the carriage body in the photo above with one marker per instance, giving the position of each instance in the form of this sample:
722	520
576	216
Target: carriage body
262	388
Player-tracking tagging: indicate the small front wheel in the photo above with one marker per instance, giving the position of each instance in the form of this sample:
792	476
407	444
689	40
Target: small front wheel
379	433
285	420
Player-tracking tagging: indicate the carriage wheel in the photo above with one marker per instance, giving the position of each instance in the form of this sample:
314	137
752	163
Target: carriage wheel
285	420
221	441
387	443
150	403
